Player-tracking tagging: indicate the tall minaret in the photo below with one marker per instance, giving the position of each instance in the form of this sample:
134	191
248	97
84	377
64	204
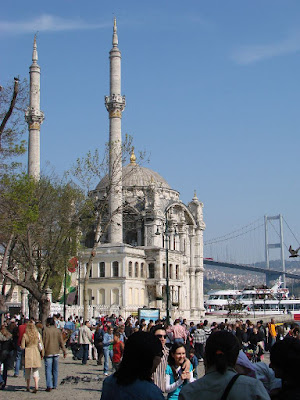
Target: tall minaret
34	116
115	104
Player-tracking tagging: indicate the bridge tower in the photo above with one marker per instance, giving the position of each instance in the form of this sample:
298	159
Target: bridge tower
271	275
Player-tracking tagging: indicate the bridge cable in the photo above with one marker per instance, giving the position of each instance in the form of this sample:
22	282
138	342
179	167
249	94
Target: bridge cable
228	237
291	231
277	233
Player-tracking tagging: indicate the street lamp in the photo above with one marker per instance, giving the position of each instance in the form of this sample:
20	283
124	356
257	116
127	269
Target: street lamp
166	235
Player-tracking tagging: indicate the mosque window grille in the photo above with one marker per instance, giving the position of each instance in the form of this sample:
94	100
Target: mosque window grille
142	270
177	272
130	269
101	270
151	269
115	269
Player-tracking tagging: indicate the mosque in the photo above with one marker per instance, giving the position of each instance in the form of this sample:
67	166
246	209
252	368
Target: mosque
151	232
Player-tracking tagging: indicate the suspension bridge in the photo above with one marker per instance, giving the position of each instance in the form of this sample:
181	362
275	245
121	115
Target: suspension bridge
252	243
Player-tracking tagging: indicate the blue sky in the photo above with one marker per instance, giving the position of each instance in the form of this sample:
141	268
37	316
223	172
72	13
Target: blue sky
212	91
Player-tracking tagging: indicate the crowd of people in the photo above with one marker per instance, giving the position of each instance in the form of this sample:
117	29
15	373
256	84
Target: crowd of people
155	359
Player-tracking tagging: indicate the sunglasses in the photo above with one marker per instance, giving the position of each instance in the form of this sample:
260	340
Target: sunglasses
161	336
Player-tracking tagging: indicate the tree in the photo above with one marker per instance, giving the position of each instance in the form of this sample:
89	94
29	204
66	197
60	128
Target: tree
88	171
40	221
13	102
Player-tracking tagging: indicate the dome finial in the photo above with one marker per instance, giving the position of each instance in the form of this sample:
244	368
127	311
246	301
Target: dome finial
132	157
195	195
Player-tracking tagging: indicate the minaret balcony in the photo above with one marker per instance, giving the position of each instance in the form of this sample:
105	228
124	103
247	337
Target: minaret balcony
33	115
115	101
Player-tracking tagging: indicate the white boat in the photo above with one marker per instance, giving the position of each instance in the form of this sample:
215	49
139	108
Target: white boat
253	301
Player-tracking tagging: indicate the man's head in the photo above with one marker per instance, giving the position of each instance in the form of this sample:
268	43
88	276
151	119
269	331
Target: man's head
160	332
50	321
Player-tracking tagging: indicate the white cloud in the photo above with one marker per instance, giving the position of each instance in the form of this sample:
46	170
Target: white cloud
47	23
251	54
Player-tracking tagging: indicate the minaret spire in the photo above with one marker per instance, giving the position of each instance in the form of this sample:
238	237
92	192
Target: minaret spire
34	52
34	116
115	41
115	104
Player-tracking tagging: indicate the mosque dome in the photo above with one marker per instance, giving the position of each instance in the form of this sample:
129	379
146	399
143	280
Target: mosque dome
136	176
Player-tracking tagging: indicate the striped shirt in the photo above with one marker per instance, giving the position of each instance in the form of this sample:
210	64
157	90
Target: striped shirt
159	375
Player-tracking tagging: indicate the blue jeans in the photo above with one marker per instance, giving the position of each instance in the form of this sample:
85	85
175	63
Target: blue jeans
107	354
51	371
20	353
85	355
179	340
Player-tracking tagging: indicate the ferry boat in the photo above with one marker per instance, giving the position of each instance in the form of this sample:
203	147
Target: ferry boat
253	301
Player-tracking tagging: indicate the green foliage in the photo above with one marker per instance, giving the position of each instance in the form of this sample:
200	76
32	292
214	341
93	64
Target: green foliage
19	203
44	218
12	143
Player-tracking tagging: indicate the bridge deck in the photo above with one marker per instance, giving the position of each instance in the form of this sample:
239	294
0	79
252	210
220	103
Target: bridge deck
249	268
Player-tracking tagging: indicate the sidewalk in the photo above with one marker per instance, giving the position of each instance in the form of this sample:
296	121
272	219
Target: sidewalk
16	387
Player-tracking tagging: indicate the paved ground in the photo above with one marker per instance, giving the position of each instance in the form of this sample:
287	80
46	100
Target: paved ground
83	390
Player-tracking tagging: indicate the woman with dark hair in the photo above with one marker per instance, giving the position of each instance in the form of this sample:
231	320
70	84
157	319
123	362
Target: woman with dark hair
176	377
142	354
221	380
285	359
6	353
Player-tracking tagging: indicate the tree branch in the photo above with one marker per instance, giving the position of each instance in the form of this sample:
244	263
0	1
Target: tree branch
10	110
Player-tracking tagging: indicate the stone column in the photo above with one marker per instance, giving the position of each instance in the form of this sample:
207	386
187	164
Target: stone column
48	292
139	233
192	274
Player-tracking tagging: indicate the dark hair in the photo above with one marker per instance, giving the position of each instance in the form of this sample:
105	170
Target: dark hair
221	350
171	360
140	350
157	328
285	354
50	321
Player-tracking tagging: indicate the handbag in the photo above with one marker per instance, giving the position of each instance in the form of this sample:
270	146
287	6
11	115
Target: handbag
40	344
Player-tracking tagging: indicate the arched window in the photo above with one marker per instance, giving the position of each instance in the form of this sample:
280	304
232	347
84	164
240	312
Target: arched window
136	269
171	271
142	270
91	271
115	296
142	297
102	296
115	269
101	270
151	271
164	271
136	296
130	296
130	269
177	271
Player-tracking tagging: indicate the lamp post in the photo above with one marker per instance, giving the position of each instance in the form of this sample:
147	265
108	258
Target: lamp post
166	235
65	291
